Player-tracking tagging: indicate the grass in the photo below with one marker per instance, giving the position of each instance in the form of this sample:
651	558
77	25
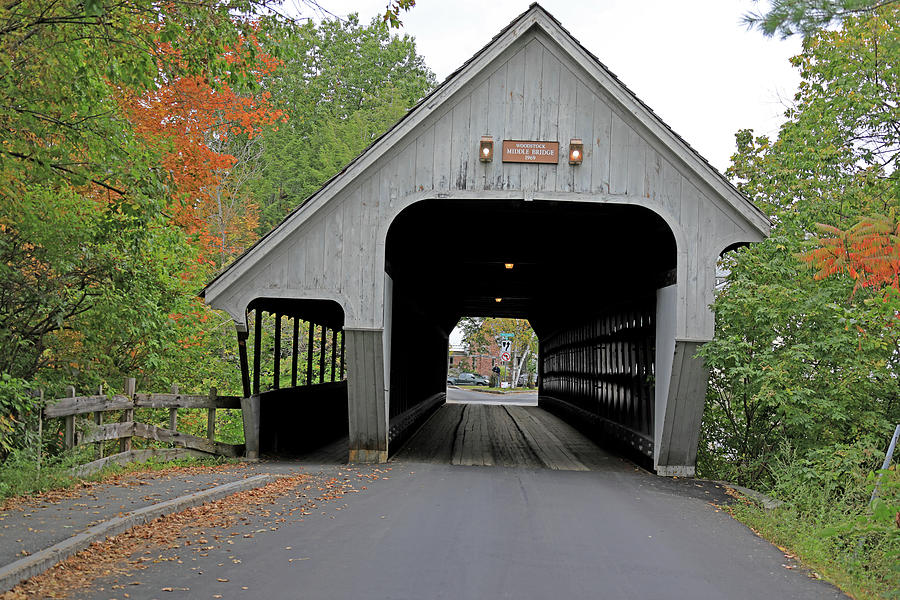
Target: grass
836	544
19	475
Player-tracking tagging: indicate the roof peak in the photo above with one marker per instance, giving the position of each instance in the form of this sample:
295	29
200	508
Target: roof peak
446	90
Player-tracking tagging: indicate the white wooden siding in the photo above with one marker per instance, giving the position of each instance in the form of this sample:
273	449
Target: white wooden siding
533	90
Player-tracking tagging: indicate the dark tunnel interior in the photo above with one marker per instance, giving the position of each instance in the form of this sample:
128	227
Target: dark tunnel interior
585	275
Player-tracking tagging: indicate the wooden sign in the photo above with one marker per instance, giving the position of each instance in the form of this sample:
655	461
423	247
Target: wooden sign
530	152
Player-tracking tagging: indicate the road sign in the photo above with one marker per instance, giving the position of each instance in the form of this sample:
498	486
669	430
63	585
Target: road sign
504	356
505	347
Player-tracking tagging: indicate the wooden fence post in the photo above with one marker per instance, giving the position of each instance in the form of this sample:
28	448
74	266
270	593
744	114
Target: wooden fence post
173	412
127	414
211	417
98	421
70	422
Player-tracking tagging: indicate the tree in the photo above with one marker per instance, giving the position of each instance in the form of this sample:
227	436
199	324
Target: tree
808	17
83	197
392	11
129	133
210	135
343	84
809	359
482	334
869	252
98	47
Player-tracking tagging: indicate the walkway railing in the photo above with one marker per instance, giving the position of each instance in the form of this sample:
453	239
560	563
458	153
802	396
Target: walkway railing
96	431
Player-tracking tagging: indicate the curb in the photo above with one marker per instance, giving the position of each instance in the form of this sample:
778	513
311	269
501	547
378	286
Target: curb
761	499
20	570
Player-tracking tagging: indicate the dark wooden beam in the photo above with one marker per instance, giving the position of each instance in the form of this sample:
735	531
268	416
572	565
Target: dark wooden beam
342	356
245	364
257	349
322	355
294	347
334	352
276	376
309	353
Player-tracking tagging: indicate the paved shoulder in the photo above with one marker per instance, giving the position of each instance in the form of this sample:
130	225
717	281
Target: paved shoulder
37	532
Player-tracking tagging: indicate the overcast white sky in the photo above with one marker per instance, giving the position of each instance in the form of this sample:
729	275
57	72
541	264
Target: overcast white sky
692	62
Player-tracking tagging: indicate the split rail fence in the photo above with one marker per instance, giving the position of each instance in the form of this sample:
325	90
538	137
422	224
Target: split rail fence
126	427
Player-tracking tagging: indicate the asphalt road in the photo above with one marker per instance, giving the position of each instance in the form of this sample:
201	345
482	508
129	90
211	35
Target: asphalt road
429	531
457	395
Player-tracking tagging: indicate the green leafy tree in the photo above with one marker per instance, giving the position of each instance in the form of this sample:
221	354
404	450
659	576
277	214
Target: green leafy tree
799	362
805	378
482	334
808	17
795	362
98	275
342	84
94	273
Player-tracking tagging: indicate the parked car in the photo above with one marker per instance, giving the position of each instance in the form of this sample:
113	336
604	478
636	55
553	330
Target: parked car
523	380
468	379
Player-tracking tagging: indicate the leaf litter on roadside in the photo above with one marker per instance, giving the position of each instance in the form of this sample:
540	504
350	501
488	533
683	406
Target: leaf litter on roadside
117	557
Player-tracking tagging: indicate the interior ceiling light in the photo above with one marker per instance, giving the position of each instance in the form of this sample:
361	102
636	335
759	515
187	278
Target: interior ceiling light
576	151
486	149
509	265
498	299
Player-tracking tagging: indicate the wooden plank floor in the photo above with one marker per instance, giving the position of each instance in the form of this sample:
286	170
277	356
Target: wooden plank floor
506	436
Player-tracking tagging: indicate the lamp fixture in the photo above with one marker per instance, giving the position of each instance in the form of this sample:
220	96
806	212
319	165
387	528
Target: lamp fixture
498	299
576	151
509	265
486	149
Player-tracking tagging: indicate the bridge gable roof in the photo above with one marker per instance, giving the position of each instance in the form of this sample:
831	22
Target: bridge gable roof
536	18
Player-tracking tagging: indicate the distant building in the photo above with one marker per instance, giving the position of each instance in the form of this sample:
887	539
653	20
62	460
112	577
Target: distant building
481	363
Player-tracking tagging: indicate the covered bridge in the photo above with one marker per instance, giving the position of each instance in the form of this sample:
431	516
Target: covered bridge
534	155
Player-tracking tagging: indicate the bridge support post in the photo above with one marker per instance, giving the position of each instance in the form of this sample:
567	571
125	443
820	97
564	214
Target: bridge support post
681	383
250	415
367	402
675	450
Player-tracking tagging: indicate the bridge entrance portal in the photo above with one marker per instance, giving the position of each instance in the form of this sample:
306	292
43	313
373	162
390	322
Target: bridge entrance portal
586	275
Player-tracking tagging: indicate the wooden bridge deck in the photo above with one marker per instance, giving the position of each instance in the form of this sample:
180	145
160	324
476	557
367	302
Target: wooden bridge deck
504	435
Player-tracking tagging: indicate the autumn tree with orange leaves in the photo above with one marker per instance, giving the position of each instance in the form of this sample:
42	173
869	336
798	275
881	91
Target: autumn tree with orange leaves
94	259
208	132
869	252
